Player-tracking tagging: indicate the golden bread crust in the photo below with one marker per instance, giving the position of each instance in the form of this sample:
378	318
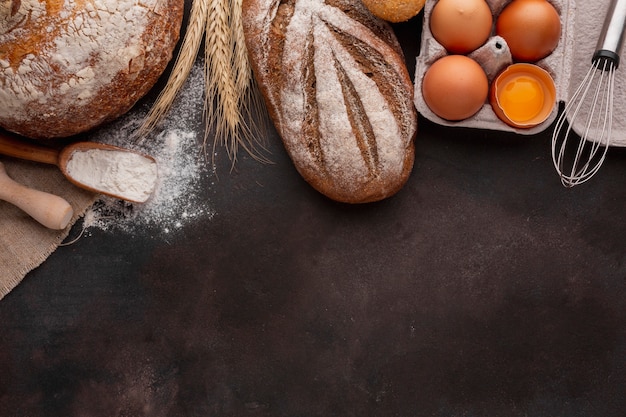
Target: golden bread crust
395	11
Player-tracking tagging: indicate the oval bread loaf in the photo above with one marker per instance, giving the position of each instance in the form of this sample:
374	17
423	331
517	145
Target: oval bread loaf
338	91
67	66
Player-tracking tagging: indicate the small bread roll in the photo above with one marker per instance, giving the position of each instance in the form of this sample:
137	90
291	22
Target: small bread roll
394	11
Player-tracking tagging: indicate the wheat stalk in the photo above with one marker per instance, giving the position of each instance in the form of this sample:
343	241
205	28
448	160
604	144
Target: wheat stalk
230	101
241	64
182	67
250	101
221	100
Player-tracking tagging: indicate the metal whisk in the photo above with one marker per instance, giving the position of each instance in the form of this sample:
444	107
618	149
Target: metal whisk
577	156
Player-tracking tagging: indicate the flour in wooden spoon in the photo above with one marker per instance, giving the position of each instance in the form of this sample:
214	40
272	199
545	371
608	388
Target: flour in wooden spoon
127	175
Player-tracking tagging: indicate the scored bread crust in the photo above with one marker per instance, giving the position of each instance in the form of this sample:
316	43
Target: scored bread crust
338	91
67	66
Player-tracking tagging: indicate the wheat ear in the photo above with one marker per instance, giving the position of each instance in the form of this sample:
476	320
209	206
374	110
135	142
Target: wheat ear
182	67
251	105
228	81
220	103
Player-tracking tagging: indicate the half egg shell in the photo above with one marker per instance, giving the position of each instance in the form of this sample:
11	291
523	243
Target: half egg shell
523	95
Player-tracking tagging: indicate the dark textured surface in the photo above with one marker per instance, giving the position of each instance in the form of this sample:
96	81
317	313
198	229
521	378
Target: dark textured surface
484	288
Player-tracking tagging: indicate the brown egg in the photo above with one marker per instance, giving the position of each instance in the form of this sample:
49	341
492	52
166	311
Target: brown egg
461	26
531	28
455	87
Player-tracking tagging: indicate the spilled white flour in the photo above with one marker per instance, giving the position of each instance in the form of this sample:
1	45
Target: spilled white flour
180	195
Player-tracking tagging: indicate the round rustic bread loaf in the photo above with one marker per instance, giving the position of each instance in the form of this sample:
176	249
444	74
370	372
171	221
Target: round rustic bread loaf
67	66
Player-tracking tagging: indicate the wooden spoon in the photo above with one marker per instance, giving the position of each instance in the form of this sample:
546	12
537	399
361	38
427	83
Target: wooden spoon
15	147
50	210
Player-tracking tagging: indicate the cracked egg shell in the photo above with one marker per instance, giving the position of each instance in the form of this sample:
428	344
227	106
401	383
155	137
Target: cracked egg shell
523	95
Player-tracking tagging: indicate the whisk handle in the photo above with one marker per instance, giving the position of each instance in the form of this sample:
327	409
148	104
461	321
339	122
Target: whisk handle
612	36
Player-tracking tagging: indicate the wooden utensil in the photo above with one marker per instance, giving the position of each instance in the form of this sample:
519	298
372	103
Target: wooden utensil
13	146
48	209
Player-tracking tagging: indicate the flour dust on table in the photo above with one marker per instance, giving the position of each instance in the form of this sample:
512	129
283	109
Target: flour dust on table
183	168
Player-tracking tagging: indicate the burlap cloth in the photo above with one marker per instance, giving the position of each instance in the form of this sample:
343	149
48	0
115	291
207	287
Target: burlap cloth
24	243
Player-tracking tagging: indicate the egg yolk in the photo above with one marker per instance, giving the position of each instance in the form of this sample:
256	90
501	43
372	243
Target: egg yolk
522	98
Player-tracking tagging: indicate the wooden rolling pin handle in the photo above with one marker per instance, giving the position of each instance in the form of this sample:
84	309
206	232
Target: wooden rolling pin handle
17	147
48	209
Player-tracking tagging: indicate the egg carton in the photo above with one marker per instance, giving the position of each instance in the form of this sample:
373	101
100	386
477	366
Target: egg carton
567	64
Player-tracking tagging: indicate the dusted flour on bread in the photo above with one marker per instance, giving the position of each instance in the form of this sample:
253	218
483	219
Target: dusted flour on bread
337	88
69	65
